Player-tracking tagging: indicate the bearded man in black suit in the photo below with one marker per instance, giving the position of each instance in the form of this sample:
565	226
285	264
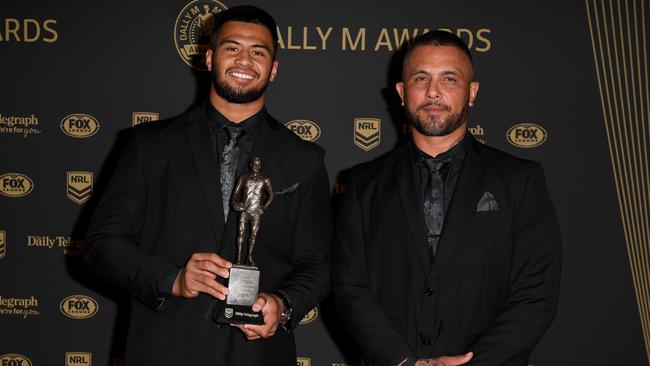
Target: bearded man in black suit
448	251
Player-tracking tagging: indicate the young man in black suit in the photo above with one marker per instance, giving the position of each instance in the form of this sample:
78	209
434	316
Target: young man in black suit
448	251
164	231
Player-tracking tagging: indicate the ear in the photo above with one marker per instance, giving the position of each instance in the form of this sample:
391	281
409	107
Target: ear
473	91
400	90
274	70
208	59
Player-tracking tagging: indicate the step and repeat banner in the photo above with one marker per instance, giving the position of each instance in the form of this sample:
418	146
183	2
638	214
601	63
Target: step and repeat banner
562	82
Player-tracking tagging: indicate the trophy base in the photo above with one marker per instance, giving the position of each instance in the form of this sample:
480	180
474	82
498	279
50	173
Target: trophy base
243	286
239	314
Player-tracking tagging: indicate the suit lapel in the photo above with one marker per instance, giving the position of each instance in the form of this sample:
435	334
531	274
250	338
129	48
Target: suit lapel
463	203
411	206
206	168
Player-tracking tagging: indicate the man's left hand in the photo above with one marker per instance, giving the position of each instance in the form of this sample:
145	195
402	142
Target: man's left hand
271	307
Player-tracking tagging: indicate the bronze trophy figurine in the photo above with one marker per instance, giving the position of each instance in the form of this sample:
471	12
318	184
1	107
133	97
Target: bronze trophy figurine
244	279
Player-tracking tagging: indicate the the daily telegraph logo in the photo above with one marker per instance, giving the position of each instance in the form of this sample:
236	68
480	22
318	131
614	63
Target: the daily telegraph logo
14	359
303	361
79	186
72	247
367	133
309	317
78	359
3	243
79	307
305	129
143	117
526	135
79	125
478	132
19	125
193	29
15	185
19	306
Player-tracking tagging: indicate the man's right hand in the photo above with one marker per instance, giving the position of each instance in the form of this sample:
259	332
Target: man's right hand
199	275
446	360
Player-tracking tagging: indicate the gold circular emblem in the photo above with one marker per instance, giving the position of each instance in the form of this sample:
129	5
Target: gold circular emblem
192	31
526	135
15	185
79	307
310	316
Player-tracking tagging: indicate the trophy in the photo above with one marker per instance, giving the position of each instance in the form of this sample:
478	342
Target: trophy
244	279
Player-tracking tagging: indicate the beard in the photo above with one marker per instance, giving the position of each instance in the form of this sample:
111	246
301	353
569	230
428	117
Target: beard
233	95
437	125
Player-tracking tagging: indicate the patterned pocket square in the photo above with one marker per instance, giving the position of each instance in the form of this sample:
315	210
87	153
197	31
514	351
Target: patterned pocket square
487	203
287	191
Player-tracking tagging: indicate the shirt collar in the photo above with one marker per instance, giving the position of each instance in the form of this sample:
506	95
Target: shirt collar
456	152
217	121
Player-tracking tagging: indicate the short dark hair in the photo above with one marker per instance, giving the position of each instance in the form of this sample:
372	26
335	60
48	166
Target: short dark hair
246	14
439	38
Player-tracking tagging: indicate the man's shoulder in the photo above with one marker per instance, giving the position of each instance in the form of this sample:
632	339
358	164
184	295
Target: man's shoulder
382	165
290	141
503	162
168	126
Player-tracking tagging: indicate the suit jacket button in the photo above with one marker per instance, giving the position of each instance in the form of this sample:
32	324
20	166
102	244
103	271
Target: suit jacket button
428	292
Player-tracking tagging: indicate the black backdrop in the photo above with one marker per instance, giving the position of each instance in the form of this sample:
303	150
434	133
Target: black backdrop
563	83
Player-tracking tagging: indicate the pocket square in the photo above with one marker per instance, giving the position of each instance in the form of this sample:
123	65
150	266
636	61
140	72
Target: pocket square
287	191
487	203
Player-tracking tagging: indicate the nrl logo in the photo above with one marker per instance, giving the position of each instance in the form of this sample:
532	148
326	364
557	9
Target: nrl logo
367	133
193	29
78	359
80	186
228	312
142	117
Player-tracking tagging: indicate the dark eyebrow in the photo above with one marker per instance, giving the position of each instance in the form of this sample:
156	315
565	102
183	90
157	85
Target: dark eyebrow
417	72
239	44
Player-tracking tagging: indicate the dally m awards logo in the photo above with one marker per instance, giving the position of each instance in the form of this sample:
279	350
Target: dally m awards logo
79	307
79	125
306	130
14	359
15	185
143	117
367	133
3	243
78	359
303	361
526	135
309	317
193	29
80	186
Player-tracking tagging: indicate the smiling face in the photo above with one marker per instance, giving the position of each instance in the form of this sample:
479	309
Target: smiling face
242	62
437	89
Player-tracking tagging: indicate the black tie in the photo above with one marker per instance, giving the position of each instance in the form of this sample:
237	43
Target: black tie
229	165
434	203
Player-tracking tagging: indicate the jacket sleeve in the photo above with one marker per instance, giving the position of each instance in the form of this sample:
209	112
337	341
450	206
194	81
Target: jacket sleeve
534	281
309	281
111	251
360	313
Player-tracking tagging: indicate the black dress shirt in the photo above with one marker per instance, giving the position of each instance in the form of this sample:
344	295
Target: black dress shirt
216	123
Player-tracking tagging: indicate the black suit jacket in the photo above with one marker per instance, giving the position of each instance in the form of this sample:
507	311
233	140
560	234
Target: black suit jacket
493	287
163	203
